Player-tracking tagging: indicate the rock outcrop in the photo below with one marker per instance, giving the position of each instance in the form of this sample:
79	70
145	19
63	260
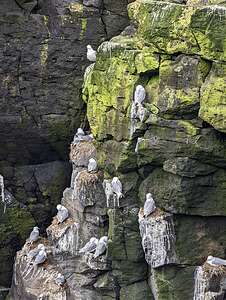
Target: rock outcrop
43	58
176	152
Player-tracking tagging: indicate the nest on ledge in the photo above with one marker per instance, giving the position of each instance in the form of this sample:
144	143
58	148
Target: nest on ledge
214	271
86	178
82	151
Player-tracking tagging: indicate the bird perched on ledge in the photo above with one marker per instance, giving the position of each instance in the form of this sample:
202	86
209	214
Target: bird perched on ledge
33	253
215	261
101	246
40	258
91	54
62	213
140	94
117	188
90	246
92	165
34	235
149	205
60	279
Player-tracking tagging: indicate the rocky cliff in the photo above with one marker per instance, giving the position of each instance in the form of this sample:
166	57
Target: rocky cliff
173	148
43	58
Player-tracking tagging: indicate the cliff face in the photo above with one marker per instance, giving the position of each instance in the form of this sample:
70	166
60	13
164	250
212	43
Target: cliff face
43	58
177	152
174	149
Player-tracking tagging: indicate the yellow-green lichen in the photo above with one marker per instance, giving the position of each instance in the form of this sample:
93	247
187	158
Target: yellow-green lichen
83	27
44	47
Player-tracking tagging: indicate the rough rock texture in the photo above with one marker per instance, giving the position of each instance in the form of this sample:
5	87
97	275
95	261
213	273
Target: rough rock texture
175	50
209	282
43	58
158	239
178	152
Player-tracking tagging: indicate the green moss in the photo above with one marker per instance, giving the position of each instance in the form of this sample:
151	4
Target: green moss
173	283
213	99
16	221
146	60
83	27
109	95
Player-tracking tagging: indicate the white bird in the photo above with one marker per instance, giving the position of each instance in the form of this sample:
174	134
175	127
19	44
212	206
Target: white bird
78	136
40	258
108	190
92	165
215	261
91	54
80	132
34	235
139	94
101	246
117	188
62	213
90	246
33	253
149	205
60	279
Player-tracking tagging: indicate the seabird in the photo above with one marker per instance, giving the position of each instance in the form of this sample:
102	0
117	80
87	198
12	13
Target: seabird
215	261
90	246
91	54
40	257
92	165
117	188
60	279
101	246
34	235
139	94
149	205
62	213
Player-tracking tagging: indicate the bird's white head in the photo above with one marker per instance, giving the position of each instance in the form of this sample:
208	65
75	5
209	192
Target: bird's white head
104	239
80	131
59	275
36	228
41	247
139	87
209	258
59	207
115	179
149	196
89	47
92	160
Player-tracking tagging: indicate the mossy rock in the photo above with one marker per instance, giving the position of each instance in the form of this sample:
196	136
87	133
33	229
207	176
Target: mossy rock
200	195
173	283
136	291
213	98
176	28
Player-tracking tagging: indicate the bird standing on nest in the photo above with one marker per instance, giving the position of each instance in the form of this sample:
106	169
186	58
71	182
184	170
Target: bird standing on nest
101	246
90	246
149	205
34	235
62	213
92	165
